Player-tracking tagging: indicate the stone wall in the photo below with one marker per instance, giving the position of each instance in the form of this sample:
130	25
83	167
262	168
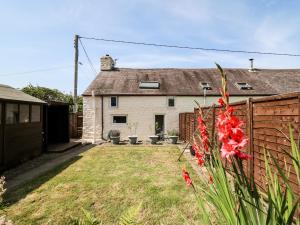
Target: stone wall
91	116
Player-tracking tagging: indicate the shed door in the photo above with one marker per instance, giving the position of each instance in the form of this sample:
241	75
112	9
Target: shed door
1	134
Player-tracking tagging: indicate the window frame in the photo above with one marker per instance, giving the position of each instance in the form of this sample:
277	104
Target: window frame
120	115
149	85
243	86
168	101
205	85
29	113
117	102
18	113
40	116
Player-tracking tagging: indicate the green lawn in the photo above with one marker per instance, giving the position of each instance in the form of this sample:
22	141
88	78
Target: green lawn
107	181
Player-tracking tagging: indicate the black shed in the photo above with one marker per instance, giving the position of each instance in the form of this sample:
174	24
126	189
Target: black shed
21	126
56	123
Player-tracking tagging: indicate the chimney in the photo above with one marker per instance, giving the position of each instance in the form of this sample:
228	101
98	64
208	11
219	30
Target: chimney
251	69
107	63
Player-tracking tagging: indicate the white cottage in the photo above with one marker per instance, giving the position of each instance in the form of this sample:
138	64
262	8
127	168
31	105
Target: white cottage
148	101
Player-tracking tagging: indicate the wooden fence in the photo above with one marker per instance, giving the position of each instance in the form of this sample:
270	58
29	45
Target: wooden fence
266	124
75	123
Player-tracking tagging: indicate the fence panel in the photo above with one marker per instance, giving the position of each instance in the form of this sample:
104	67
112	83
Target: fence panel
76	123
266	123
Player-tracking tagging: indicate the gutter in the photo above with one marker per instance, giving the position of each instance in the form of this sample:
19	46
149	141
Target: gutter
94	121
102	122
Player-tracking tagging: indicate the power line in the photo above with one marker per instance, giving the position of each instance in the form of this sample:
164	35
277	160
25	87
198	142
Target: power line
191	48
35	71
88	58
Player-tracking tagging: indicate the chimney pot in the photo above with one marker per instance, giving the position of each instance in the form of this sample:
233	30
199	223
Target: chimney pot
251	69
107	63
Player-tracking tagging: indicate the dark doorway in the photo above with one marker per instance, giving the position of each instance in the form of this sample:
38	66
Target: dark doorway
57	128
159	124
1	134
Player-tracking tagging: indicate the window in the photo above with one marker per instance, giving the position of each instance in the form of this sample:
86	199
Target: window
119	119
12	113
171	101
149	85
35	113
114	101
243	86
205	86
24	113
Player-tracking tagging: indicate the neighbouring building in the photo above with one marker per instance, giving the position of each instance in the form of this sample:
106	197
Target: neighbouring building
153	98
21	127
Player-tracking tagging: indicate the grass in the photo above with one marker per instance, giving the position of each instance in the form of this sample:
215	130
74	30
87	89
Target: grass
107	181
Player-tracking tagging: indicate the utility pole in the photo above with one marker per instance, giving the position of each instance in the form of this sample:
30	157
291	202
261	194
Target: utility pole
75	73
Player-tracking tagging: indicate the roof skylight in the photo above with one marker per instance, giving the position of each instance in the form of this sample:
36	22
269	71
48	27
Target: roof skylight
205	86
149	85
244	86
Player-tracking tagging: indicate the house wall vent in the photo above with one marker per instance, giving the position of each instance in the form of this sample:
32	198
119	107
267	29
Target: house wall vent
107	63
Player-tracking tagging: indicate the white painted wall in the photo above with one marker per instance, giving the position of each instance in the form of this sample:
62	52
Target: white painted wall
140	109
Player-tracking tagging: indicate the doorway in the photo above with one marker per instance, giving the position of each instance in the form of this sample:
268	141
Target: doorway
159	124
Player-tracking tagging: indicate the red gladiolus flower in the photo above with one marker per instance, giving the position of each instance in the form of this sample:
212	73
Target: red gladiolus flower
198	155
203	133
231	135
186	177
211	180
242	155
221	102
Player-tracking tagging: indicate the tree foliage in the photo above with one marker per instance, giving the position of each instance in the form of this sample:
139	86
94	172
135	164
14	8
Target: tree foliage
48	95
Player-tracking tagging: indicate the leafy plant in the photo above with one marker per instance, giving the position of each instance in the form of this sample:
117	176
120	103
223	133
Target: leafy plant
113	133
130	217
3	219
88	219
173	132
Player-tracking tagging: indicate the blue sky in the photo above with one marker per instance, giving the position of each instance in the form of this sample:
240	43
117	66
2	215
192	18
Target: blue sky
39	35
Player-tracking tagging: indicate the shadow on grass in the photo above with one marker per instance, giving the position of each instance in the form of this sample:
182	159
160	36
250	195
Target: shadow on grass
14	195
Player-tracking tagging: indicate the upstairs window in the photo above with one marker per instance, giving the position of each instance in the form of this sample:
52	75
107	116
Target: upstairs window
119	119
205	86
149	85
12	113
244	86
114	101
171	102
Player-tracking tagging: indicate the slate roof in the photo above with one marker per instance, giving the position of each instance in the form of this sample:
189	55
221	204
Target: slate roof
186	82
9	93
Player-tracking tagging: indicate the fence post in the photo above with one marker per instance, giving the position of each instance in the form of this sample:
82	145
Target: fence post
213	125
250	138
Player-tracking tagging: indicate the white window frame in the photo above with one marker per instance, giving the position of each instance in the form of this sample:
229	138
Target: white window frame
171	97
119	124
244	86
117	102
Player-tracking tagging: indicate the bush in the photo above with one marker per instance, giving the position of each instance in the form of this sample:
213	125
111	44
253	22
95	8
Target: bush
113	133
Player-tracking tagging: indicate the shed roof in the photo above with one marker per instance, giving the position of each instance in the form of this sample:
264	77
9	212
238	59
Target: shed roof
9	93
186	82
